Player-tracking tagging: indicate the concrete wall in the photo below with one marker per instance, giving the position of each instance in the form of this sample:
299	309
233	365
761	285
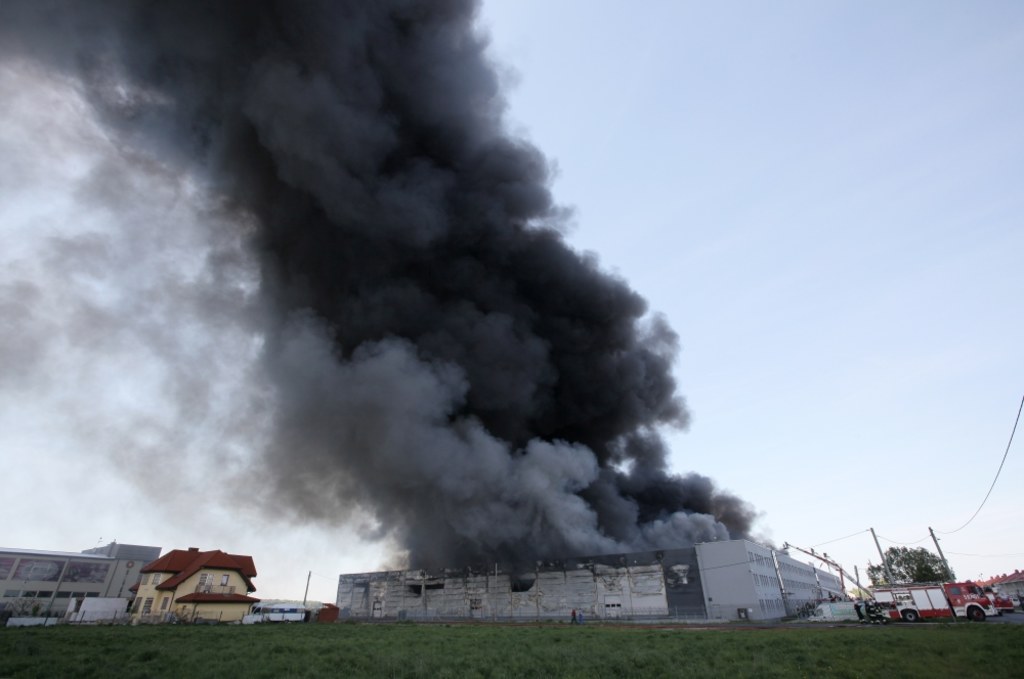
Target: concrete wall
107	609
648	584
725	580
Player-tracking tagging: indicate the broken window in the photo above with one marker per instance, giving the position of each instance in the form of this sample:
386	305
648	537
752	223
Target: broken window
523	583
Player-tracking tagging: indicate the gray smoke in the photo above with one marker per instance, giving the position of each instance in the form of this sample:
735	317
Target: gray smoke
438	357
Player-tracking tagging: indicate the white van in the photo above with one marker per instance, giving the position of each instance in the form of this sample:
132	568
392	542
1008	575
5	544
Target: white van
278	612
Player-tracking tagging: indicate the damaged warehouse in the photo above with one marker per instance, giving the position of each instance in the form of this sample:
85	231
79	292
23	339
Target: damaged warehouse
722	580
641	584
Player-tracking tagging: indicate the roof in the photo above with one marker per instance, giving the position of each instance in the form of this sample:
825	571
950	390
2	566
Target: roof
206	598
1005	578
185	563
81	556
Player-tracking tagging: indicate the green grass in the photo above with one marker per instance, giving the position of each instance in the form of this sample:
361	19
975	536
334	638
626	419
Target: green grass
549	650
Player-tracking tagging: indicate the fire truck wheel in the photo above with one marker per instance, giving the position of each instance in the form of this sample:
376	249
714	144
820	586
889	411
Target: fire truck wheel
975	614
911	616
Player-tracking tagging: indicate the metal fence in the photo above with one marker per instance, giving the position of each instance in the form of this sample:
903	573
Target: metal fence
460	614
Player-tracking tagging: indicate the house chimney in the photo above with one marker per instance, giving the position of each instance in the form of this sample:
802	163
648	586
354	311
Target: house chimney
193	549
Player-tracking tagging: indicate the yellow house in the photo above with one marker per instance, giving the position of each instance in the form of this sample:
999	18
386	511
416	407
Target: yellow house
193	586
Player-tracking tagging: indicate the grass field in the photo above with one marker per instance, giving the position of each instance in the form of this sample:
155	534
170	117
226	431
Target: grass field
548	650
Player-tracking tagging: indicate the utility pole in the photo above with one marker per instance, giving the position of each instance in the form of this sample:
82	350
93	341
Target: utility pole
306	595
885	562
949	573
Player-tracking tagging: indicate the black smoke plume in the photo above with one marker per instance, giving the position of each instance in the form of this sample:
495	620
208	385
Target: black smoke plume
440	360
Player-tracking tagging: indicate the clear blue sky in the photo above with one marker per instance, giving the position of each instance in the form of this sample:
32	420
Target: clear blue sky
823	198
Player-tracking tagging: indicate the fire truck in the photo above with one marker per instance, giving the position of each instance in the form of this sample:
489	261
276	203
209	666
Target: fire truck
915	602
1002	603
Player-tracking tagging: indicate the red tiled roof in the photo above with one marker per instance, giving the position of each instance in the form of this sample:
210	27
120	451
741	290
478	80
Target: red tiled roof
186	563
1015	576
205	598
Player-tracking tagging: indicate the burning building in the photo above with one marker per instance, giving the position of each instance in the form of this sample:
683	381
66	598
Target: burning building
653	584
726	580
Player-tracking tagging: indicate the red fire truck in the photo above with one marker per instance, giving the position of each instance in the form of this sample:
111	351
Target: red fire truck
1002	603
915	602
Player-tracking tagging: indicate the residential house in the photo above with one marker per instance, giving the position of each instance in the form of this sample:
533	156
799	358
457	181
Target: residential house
1008	584
190	585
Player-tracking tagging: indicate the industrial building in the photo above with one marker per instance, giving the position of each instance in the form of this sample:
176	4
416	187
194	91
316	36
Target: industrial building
726	580
46	581
744	580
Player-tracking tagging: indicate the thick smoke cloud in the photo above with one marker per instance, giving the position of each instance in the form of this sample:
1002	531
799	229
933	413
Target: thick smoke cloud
437	357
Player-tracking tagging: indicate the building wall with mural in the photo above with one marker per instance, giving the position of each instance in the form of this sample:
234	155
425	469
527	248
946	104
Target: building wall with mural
43	581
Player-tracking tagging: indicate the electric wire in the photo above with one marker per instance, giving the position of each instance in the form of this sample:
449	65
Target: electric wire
847	537
1005	454
902	542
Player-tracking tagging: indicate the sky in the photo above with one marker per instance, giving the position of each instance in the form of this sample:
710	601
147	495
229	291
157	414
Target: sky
822	199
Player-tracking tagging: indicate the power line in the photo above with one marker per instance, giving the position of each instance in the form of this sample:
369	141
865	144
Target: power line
1007	452
986	555
829	542
325	577
903	542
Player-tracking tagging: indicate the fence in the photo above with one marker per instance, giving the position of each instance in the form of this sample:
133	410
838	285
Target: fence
460	614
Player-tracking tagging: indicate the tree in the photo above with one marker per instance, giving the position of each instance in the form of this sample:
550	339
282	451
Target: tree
910	565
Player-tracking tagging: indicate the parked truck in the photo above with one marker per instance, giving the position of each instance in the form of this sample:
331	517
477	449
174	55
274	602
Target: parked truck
915	602
1003	604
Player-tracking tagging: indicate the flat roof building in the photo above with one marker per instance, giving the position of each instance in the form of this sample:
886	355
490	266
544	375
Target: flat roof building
641	584
723	580
44	581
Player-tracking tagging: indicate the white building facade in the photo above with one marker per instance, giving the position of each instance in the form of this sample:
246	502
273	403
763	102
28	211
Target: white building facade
740	581
800	587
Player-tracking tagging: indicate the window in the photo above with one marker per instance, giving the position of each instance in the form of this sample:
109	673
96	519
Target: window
144	580
205	579
147	607
44	595
163	603
156	579
12	593
475	604
224	580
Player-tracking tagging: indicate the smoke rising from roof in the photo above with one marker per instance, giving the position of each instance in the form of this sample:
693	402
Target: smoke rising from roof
433	354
